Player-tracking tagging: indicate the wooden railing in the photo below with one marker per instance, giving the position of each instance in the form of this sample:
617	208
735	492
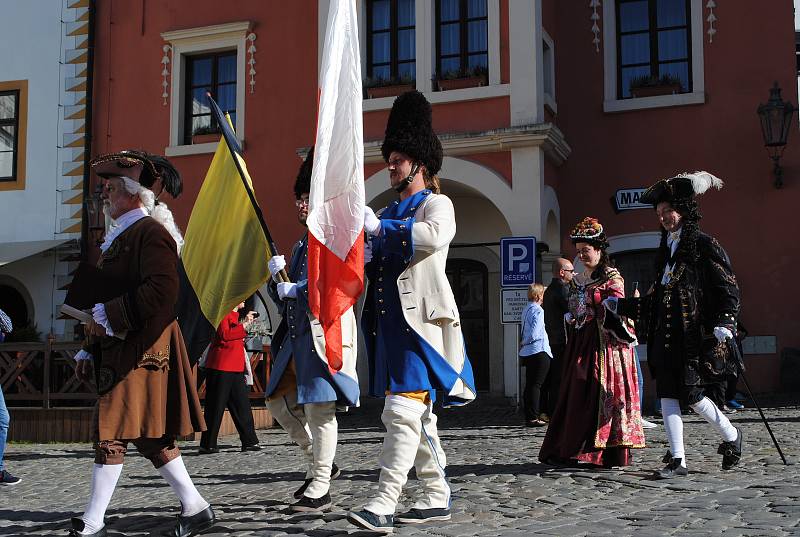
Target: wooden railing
42	375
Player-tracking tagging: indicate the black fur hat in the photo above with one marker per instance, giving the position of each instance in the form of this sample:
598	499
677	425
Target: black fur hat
302	184
410	131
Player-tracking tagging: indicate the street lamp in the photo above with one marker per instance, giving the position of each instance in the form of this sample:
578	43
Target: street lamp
776	120
94	211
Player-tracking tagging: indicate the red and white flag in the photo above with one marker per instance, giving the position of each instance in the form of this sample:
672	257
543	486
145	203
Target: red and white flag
336	200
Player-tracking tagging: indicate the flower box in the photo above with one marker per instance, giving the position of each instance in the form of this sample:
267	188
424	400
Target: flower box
377	92
446	84
652	91
206	138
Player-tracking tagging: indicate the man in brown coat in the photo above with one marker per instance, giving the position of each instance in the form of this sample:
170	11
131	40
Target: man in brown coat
147	393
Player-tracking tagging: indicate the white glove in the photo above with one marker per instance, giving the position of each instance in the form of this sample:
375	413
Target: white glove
276	264
611	304
722	333
372	224
569	318
287	290
367	252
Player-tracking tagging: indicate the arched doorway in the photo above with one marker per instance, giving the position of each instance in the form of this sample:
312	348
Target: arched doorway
469	281
16	307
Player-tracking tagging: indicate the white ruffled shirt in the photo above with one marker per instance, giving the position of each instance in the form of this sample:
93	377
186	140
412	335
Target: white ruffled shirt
672	241
99	310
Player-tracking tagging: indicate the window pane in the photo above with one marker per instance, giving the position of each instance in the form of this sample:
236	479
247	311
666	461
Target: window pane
476	34
381	72
450	65
406	45
671	13
630	73
7	138
7	104
448	10
633	16
405	13
6	164
476	8
380	15
381	48
227	69
201	122
407	70
477	60
635	48
450	39
200	101
226	97
201	71
678	69
672	45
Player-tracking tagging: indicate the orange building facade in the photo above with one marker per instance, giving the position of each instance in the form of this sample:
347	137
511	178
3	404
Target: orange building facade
546	133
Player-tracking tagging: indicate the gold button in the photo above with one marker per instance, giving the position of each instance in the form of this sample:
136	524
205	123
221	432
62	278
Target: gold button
669	316
402	226
408	330
667	334
380	301
666	345
380	289
404	243
383	312
380	278
669	326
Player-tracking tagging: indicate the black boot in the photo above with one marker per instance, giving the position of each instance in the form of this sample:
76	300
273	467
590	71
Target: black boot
666	459
78	525
672	469
731	451
192	525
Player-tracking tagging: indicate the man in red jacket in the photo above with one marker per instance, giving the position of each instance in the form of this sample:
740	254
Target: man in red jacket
225	384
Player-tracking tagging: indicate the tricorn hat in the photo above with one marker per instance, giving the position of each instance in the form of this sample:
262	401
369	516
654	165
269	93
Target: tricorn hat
139	166
590	231
410	131
302	184
683	186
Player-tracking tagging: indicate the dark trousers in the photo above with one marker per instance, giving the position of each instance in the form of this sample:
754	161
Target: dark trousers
552	383
227	389
536	367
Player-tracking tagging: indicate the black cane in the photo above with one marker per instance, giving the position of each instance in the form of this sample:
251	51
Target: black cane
738	359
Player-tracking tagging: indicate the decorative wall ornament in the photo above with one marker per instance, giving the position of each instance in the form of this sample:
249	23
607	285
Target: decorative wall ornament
251	49
594	4
711	19
165	61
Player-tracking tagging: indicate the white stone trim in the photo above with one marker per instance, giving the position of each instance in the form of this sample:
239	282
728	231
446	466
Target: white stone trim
451	96
525	61
631	242
230	36
549	96
613	104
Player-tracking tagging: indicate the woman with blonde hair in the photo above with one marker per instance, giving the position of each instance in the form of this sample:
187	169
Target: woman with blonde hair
534	354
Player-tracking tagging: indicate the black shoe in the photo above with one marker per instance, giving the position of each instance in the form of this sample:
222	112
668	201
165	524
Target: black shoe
731	451
192	525
253	447
207	450
335	472
673	469
666	459
418	516
312	505
78	526
8	479
369	520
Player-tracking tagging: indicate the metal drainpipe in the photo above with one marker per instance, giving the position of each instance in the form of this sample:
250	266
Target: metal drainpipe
87	191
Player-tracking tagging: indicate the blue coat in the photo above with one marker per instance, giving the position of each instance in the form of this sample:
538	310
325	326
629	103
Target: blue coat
294	338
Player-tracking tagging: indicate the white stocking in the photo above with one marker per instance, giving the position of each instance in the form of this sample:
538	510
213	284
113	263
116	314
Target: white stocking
717	419
174	472
104	481
292	419
324	431
673	424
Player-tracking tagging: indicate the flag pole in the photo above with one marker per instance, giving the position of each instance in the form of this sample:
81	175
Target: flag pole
235	149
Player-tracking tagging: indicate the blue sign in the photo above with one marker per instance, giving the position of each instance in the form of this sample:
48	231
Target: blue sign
518	261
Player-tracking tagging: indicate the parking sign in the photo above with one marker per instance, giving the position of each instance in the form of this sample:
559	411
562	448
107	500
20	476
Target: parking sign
518	260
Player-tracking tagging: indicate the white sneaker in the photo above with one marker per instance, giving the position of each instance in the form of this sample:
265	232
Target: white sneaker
648	424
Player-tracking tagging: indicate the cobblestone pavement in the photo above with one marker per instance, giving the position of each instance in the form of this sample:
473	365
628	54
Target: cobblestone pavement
498	487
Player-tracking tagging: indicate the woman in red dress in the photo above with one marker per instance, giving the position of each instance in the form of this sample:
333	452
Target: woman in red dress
598	415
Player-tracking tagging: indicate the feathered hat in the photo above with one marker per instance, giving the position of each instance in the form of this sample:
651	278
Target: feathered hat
683	186
590	231
410	131
139	166
302	184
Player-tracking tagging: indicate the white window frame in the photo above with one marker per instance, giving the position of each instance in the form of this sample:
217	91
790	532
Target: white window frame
549	96
425	13
613	104
192	41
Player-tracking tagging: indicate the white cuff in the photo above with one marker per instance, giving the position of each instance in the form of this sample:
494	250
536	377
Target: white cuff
99	314
83	355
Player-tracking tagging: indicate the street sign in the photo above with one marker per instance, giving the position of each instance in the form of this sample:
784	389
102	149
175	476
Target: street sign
513	302
628	198
518	261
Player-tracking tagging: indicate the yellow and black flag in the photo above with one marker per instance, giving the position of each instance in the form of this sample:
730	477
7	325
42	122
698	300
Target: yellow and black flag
226	248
